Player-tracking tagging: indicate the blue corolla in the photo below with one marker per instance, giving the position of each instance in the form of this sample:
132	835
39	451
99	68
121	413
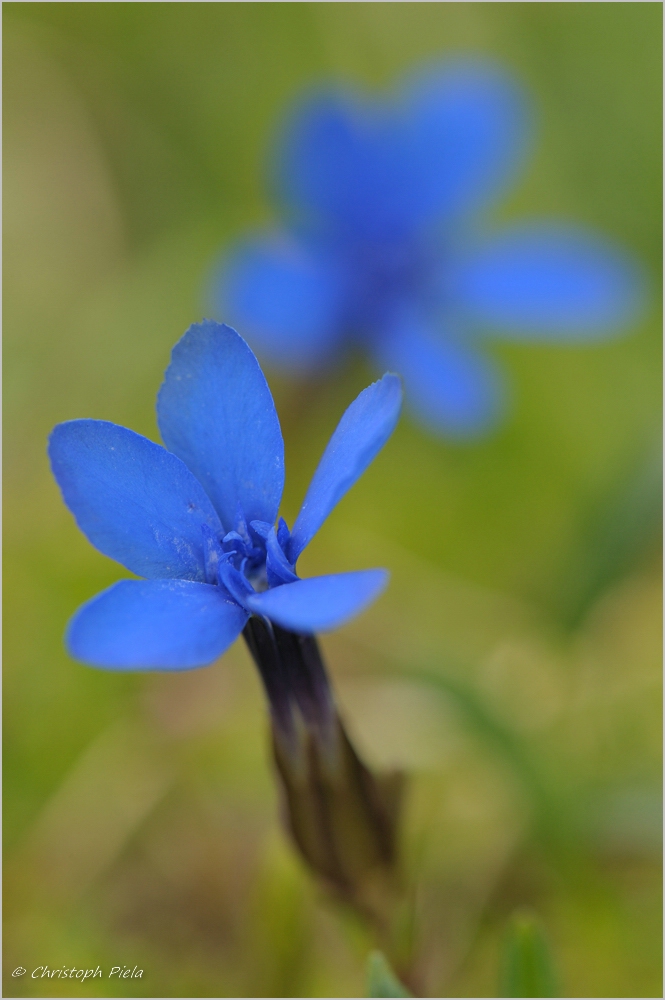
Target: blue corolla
199	520
381	246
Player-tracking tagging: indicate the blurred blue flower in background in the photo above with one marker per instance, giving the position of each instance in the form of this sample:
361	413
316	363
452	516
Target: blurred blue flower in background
199	520
381	246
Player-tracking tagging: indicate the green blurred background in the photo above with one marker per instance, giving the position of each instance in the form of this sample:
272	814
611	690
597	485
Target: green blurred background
513	667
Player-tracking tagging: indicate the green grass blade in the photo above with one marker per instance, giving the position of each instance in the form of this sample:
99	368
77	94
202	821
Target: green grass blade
527	969
620	530
381	980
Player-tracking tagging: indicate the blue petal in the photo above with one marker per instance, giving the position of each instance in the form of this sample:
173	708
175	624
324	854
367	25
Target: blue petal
331	162
467	128
452	389
154	625
216	413
375	170
286	299
213	555
133	500
321	602
549	281
360	435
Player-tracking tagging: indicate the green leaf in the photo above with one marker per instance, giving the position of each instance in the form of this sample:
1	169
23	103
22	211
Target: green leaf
381	980
617	532
527	969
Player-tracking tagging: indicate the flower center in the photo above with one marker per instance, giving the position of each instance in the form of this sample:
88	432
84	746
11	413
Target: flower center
383	276
249	558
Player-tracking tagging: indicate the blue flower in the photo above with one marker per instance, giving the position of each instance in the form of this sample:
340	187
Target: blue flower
381	246
198	520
